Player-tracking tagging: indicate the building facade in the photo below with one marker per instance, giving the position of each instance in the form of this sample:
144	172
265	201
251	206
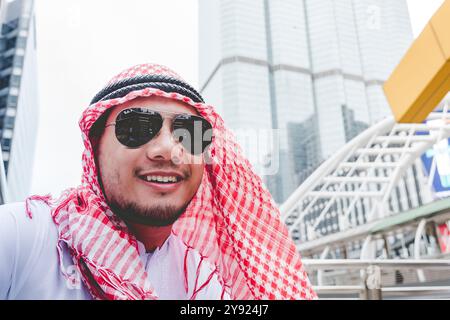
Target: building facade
18	95
311	69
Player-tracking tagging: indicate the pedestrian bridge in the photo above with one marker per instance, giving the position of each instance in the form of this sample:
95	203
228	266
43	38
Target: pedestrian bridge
354	191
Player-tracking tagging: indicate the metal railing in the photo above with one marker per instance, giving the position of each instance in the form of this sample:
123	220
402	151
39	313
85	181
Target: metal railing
370	286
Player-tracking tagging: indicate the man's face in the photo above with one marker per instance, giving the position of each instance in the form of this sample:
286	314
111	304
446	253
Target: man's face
124	172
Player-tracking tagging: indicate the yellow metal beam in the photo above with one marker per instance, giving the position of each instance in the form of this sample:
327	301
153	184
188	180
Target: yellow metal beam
422	78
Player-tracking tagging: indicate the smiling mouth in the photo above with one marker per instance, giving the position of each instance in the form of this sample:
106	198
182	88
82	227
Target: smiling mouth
159	179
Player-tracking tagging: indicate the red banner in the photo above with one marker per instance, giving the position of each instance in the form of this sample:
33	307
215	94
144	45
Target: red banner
444	237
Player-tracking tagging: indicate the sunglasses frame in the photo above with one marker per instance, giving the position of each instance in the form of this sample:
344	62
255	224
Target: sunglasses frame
142	112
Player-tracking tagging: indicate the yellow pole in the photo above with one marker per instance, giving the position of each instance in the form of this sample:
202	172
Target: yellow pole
422	78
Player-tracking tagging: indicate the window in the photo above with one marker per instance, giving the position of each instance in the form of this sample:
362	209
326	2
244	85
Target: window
18	61
15	81
6	62
6	144
10	26
2	44
11	43
6	163
21	42
4	82
12	101
25	23
9	122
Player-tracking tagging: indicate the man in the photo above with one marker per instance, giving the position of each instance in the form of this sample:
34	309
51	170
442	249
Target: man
168	208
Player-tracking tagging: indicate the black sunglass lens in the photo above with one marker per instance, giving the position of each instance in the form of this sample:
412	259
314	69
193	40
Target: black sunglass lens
194	133
135	128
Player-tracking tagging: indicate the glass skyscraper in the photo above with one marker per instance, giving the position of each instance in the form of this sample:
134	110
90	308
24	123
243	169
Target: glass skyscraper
18	95
313	69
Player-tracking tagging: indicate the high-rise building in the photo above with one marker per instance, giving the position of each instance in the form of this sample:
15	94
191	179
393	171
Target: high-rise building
18	95
313	69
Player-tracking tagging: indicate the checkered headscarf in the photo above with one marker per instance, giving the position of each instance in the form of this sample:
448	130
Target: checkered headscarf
232	220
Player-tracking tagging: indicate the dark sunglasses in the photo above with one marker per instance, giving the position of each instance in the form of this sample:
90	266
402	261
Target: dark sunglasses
137	126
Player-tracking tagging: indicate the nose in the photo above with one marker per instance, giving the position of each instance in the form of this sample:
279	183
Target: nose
163	146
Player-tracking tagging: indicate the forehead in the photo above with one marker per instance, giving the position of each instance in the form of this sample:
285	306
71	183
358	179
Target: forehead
155	103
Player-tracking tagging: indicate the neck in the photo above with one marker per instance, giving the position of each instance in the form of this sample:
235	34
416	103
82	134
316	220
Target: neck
151	237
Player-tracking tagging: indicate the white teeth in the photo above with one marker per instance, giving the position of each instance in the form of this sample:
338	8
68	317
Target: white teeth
161	179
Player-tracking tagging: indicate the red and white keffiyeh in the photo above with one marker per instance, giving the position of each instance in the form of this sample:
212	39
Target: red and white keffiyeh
232	221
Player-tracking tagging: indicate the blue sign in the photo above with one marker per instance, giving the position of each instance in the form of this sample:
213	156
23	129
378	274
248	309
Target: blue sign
440	153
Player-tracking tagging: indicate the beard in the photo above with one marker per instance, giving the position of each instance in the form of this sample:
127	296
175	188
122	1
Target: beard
155	216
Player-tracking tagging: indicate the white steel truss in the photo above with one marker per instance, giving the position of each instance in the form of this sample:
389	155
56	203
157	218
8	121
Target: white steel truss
362	177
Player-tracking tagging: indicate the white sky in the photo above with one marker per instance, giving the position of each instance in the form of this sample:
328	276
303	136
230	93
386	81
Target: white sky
81	44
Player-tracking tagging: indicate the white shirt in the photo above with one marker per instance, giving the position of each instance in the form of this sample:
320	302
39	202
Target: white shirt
30	268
